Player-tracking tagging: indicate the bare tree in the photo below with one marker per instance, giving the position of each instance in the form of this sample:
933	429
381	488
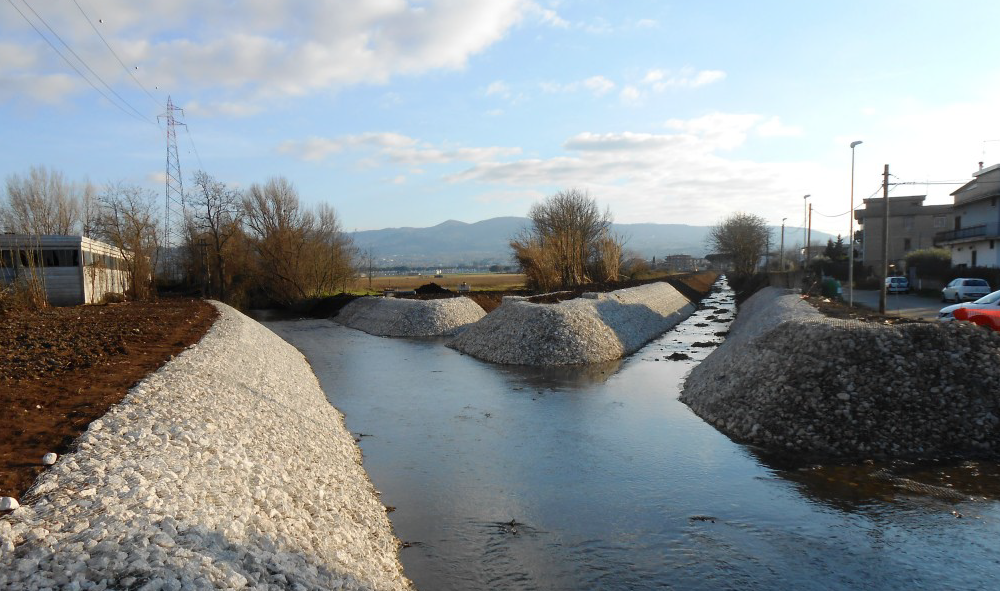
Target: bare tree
217	213
40	203
129	219
571	237
743	238
302	253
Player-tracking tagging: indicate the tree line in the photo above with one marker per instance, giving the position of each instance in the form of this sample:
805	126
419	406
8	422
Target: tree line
260	244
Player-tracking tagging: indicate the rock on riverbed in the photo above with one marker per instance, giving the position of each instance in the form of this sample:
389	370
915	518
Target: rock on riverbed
596	327
792	380
226	468
395	317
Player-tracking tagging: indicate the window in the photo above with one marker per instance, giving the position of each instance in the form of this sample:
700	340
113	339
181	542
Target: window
940	221
906	244
908	222
991	245
61	257
7	258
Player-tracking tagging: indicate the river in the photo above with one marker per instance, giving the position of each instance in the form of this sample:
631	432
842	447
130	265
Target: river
598	478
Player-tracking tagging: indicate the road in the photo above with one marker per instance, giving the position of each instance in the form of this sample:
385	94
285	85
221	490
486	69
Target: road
897	304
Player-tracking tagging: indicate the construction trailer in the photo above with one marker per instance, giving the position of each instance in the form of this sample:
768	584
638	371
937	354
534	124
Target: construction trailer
72	269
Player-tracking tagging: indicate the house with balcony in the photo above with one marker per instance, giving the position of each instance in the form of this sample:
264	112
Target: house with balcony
974	239
912	226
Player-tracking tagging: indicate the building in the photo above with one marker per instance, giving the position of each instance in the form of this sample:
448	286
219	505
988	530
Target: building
73	270
974	235
912	226
682	263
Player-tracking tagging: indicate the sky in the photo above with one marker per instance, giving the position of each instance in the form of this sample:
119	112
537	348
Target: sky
410	113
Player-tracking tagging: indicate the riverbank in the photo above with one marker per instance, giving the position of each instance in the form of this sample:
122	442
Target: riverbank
795	382
225	468
594	328
394	317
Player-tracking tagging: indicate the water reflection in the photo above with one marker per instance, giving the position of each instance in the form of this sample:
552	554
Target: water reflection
612	483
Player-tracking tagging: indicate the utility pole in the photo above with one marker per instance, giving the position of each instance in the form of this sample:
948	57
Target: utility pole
809	235
781	254
885	238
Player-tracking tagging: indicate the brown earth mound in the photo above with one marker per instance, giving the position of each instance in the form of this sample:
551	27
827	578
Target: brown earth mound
62	368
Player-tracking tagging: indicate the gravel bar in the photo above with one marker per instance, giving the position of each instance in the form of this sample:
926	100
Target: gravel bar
594	328
792	380
395	317
227	468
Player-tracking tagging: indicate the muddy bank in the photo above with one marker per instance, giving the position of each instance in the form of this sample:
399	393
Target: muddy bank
226	468
594	328
796	382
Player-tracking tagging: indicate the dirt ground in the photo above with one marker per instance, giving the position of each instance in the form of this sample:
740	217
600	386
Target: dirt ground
62	368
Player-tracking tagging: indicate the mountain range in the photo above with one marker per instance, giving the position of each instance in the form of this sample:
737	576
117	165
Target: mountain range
487	242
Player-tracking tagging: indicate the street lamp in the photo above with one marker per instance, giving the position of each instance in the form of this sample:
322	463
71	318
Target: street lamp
850	236
805	247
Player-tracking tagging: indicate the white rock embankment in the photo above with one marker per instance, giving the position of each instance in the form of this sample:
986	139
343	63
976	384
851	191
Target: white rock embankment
398	317
227	468
594	328
791	380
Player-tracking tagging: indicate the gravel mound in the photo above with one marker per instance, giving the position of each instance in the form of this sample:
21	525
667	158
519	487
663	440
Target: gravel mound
394	317
226	468
792	380
596	327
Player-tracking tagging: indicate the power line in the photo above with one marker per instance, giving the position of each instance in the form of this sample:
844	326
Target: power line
70	64
191	139
136	114
124	67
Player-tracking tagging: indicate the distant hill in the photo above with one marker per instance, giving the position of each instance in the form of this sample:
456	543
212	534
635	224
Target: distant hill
487	242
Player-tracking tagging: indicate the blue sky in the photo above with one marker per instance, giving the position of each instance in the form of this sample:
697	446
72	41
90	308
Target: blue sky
407	113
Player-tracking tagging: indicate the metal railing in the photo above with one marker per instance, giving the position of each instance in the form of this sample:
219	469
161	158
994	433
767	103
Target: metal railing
991	230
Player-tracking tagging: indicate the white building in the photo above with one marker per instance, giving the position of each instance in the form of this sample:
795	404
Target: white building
73	270
975	239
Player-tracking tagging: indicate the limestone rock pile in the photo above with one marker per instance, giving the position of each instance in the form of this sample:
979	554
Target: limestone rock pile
789	379
594	328
396	317
227	468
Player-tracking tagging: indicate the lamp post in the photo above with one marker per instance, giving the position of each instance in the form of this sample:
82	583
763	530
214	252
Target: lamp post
805	247
781	252
850	236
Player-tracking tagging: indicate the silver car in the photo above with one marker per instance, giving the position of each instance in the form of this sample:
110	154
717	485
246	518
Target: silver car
989	302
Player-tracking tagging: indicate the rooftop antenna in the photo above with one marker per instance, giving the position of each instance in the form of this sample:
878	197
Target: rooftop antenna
173	212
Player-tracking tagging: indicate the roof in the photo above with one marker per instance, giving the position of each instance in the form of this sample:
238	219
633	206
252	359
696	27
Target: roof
984	185
57	241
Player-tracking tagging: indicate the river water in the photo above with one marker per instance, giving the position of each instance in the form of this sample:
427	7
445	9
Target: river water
598	478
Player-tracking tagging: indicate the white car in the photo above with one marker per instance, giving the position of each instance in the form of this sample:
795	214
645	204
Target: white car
897	285
964	288
990	302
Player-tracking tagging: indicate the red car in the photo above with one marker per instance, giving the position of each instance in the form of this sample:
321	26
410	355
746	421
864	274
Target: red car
987	318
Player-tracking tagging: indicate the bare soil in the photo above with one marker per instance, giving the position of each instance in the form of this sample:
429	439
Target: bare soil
838	309
61	368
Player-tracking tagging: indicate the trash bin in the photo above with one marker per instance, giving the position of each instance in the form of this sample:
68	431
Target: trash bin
831	288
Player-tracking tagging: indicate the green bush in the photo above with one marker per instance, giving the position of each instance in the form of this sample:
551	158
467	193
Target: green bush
930	263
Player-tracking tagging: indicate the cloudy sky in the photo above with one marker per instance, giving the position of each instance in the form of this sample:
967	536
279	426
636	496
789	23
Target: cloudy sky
409	113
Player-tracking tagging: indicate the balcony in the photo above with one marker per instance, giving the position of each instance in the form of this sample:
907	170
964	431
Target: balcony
970	234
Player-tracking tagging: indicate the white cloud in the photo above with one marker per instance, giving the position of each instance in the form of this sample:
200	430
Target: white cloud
598	85
661	80
499	88
392	148
680	176
253	51
630	94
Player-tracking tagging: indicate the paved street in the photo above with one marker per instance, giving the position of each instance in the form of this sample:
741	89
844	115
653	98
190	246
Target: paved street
908	305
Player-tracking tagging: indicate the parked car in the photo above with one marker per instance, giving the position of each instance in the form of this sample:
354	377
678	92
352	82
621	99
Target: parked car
965	289
897	285
989	302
